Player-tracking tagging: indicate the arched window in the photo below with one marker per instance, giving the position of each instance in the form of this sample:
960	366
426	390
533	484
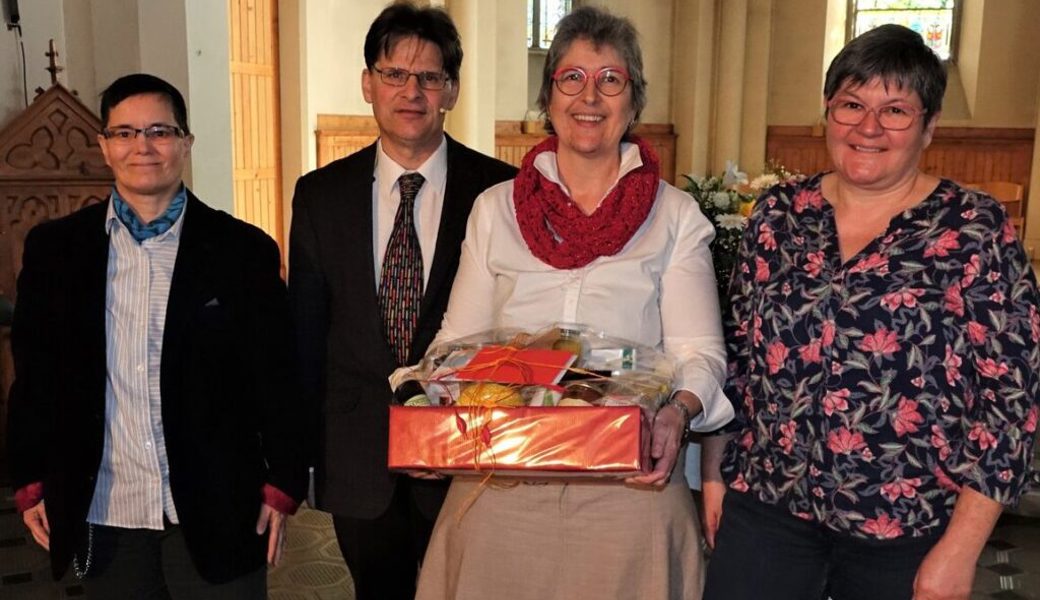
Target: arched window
936	20
542	19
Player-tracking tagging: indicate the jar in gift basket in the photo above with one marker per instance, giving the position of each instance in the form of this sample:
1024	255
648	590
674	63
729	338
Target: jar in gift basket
581	390
569	340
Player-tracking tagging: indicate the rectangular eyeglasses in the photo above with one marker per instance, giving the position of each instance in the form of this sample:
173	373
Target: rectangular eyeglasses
153	133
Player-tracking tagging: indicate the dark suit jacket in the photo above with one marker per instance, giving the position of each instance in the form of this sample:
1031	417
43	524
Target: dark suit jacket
229	422
343	358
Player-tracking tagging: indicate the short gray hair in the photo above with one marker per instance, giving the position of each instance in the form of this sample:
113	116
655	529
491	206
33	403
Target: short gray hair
600	28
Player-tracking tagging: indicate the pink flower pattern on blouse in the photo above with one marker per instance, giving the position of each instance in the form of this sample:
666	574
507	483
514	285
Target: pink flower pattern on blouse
869	393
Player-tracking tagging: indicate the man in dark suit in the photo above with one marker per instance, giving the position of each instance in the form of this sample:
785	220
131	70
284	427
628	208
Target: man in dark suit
371	263
154	443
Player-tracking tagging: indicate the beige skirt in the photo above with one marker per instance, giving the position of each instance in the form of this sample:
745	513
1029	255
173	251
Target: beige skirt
594	539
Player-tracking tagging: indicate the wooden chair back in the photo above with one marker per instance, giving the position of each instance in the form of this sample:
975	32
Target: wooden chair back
1007	193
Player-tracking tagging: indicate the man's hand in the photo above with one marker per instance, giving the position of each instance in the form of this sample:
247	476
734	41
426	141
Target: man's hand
276	541
36	520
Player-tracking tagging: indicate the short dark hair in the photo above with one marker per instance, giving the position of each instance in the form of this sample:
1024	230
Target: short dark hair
403	20
143	83
600	28
895	55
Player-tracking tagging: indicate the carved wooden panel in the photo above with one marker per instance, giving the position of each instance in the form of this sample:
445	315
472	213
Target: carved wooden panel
50	166
55	139
24	206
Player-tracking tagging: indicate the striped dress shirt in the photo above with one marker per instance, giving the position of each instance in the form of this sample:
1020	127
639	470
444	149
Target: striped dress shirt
133	483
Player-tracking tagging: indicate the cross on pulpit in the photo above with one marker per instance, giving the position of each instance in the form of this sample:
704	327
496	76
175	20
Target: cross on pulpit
53	69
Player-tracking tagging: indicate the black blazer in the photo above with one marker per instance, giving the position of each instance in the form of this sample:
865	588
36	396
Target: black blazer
343	359
229	422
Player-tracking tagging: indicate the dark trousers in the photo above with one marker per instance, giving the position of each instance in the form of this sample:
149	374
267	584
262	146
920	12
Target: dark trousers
384	554
762	551
132	564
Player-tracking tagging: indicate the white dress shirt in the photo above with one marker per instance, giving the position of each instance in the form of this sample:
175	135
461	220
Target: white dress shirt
429	202
133	482
659	290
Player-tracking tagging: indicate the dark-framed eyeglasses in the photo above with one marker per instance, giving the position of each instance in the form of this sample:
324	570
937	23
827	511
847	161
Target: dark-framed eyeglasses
893	117
428	80
155	133
610	81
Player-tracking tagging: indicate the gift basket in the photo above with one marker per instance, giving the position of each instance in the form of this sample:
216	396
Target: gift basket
564	401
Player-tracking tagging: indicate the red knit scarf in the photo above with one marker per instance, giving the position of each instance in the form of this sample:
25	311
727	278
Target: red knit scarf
564	237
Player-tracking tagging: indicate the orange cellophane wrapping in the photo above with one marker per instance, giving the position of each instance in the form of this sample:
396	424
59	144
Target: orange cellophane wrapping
528	441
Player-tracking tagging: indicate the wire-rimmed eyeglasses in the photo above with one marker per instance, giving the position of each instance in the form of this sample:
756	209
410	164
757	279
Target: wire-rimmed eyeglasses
153	133
428	80
893	117
610	81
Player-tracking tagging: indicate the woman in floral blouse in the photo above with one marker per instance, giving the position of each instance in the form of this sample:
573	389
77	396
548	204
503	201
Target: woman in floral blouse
884	360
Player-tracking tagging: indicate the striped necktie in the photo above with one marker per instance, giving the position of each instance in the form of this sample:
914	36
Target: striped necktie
401	284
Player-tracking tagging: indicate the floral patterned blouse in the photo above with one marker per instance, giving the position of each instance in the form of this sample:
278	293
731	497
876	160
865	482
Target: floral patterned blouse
869	392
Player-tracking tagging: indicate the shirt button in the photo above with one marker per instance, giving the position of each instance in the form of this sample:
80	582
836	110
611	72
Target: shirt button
148	445
140	368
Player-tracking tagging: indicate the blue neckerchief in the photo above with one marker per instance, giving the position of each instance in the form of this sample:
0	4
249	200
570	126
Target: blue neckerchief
159	225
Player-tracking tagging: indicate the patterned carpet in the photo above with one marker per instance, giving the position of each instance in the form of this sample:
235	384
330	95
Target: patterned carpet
313	569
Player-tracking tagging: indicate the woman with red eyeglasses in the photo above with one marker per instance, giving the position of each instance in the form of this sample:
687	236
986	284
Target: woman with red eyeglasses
588	233
884	360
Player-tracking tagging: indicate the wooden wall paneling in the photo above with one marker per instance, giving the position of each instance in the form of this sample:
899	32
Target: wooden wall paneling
959	153
341	135
797	148
256	116
512	143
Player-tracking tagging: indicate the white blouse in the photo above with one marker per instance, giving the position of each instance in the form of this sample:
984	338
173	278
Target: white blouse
658	291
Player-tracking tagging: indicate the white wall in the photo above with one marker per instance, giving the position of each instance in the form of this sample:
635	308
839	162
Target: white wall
207	56
331	38
292	99
653	21
79	50
511	61
115	20
335	54
41	21
472	121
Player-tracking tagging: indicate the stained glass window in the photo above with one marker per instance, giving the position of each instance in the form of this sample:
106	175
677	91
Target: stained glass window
935	20
542	19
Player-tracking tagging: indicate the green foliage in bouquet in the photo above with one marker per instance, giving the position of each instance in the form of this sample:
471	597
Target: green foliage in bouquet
727	201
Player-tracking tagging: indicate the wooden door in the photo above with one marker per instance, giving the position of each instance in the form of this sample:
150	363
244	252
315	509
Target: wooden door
255	115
